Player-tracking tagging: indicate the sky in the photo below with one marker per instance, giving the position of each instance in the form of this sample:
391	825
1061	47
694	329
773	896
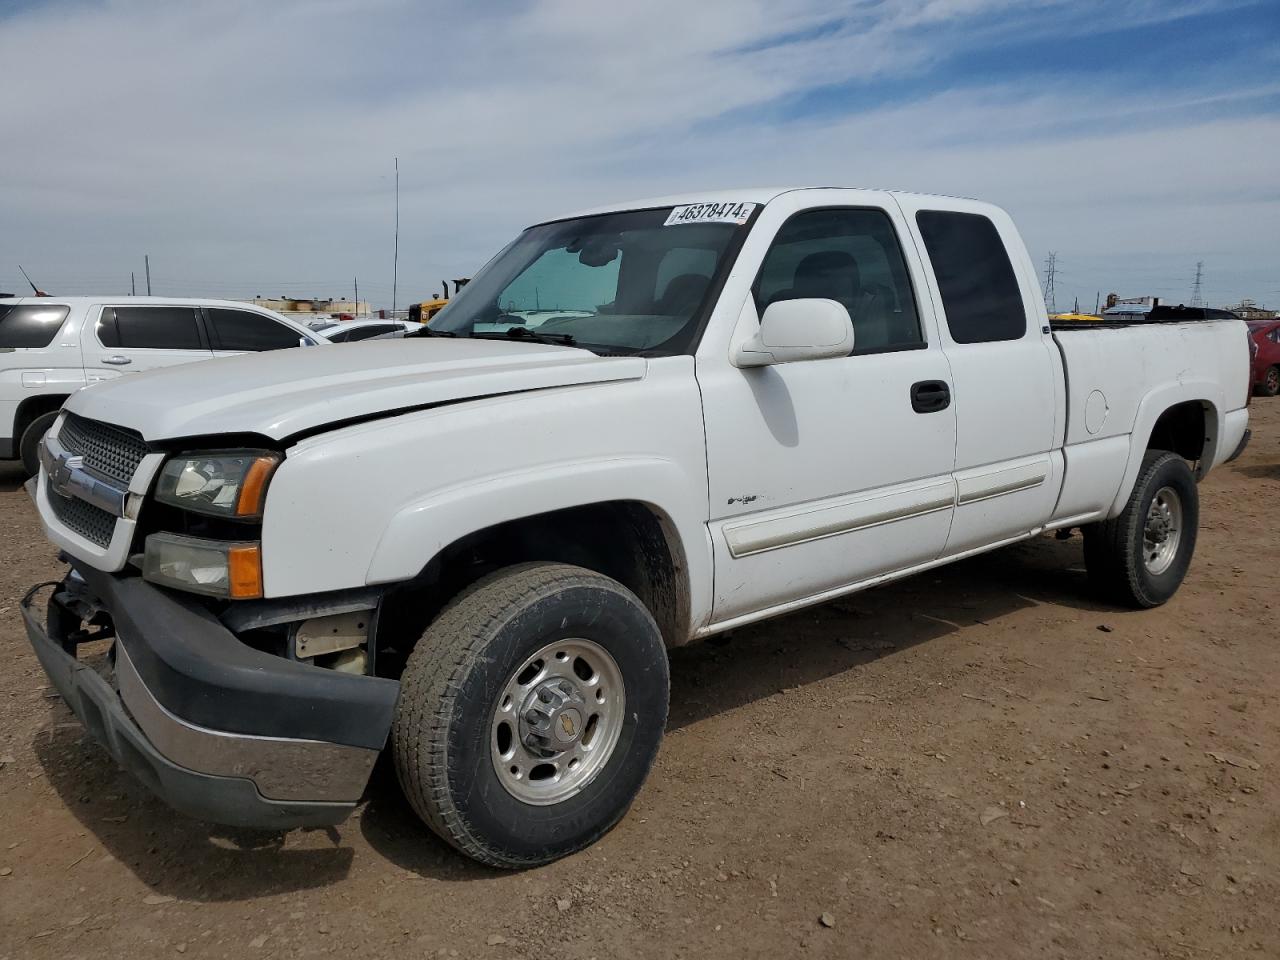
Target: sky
248	148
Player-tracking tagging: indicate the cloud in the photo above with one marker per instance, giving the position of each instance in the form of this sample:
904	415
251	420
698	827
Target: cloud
248	147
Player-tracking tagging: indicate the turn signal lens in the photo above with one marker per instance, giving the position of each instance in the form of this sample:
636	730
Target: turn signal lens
254	488
214	568
244	565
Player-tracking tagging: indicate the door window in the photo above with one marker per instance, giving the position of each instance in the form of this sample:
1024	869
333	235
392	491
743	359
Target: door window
149	328
30	325
249	332
980	294
852	257
364	333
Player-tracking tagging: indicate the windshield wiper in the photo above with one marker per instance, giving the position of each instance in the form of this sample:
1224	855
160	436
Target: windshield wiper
426	331
524	333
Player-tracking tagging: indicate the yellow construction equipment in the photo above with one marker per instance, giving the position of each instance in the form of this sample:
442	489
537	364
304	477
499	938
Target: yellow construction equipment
425	310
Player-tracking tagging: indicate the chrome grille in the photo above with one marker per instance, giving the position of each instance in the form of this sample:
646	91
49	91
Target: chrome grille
92	523
111	452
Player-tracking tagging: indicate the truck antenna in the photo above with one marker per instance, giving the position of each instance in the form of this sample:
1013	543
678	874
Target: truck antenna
34	289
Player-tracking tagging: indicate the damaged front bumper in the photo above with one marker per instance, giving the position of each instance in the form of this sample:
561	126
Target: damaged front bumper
218	730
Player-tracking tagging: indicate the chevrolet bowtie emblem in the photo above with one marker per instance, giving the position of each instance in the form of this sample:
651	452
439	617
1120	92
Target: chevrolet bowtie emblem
567	722
60	473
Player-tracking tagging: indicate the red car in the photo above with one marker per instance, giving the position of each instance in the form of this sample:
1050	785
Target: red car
1264	336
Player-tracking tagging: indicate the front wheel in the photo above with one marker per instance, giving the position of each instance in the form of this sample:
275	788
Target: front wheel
29	444
530	713
1140	557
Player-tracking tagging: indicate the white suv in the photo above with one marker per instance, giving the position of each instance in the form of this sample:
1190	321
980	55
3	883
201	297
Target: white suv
53	346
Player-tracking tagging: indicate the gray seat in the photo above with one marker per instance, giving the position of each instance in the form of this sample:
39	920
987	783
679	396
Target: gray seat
683	295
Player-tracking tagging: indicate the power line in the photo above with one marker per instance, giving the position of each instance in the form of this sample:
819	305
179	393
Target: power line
1050	272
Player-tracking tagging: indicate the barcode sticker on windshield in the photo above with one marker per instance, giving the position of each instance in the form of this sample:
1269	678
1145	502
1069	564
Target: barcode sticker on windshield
727	212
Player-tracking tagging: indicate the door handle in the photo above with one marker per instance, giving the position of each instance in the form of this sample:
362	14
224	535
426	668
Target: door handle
930	396
116	361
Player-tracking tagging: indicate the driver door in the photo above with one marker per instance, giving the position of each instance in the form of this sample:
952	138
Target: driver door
826	473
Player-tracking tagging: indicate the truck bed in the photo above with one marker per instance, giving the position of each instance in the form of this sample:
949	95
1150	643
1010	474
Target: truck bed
1121	376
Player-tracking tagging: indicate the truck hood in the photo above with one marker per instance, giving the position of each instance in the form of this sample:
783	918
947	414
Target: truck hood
283	393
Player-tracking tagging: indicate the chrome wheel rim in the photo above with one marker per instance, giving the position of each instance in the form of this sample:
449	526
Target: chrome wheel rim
557	721
1163	530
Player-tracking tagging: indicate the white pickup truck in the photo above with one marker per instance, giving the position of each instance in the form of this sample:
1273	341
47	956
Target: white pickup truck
637	427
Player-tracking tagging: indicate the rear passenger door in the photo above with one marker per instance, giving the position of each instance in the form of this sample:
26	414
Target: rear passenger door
236	331
1006	376
134	338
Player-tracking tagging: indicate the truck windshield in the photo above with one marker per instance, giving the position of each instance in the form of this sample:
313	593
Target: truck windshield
616	283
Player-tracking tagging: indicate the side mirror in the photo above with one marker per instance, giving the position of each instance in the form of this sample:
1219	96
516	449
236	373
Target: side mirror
790	330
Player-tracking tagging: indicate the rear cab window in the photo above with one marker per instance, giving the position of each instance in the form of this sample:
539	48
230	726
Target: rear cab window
979	289
30	325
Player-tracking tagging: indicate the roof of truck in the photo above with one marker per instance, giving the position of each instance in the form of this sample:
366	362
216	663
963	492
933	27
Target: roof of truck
759	195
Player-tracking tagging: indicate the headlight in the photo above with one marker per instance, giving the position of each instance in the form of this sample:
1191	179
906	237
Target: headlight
214	567
232	484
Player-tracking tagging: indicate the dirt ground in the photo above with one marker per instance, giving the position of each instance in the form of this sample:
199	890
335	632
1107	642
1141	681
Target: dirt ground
978	762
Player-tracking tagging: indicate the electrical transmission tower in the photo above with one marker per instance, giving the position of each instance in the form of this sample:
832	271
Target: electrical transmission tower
1197	296
1050	272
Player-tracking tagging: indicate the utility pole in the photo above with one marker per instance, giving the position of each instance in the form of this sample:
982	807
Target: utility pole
1197	294
133	285
355	282
1050	272
146	258
395	267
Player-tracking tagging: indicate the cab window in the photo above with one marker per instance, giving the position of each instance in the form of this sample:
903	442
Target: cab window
851	256
980	294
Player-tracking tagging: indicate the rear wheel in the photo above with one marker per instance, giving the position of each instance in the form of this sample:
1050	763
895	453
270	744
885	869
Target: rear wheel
530	713
1270	385
1140	558
29	445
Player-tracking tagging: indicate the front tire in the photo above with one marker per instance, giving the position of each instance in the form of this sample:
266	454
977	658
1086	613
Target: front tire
530	713
1140	558
29	444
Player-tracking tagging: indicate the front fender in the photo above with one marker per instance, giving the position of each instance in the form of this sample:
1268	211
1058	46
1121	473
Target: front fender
424	527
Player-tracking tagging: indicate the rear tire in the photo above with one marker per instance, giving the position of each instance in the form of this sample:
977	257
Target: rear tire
1140	558
1270	385
29	445
529	654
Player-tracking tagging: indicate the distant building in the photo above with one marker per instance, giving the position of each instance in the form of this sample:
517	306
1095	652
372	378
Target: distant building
1249	310
1128	306
295	305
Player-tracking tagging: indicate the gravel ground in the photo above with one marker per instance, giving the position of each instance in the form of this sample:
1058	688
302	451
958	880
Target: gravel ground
979	762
